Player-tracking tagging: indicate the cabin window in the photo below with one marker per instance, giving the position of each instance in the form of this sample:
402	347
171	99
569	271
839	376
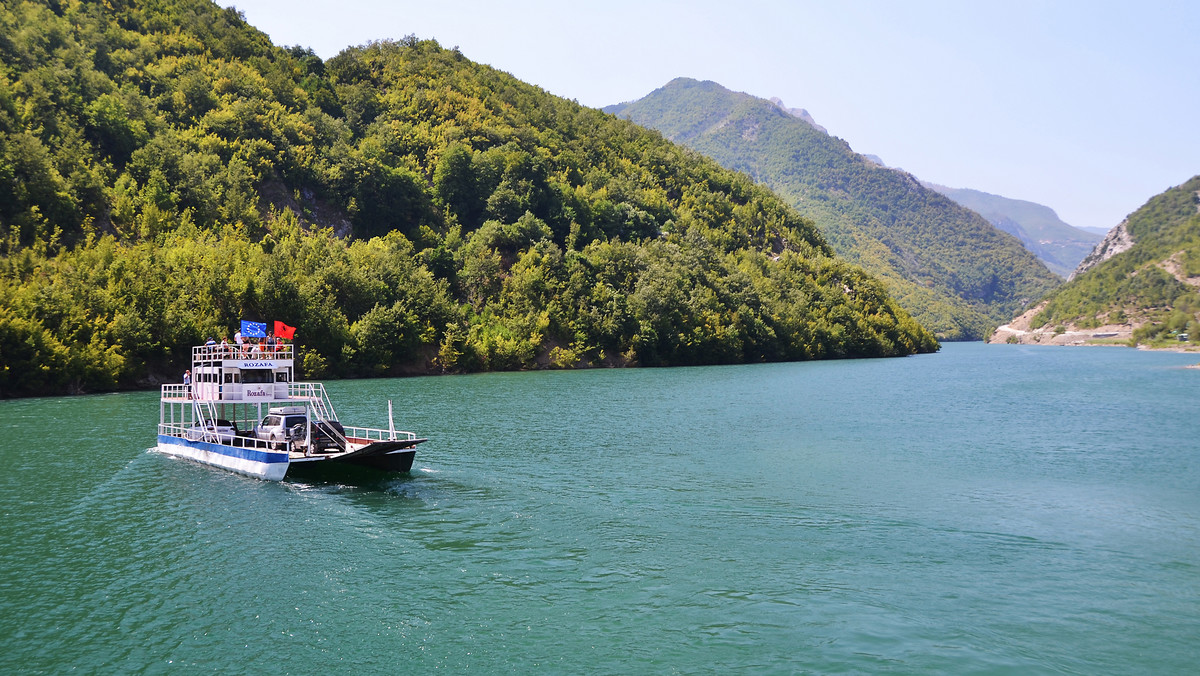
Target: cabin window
281	377
230	378
258	376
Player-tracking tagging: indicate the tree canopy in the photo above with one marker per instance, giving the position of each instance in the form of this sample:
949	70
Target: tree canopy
166	171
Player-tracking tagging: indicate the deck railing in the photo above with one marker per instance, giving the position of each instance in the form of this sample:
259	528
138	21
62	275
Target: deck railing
193	432
209	353
371	434
315	394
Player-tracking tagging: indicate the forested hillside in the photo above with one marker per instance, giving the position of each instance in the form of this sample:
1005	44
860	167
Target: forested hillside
1154	285
165	172
1057	244
955	272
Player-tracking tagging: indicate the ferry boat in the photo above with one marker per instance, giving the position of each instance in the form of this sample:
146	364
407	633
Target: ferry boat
243	412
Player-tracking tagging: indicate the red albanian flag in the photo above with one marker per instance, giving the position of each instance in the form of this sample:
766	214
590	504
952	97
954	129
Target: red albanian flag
283	330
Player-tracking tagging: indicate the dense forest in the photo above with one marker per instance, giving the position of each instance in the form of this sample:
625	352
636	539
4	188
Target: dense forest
950	268
1154	284
165	171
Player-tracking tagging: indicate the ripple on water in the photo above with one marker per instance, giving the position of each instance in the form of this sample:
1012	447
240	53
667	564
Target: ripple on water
861	517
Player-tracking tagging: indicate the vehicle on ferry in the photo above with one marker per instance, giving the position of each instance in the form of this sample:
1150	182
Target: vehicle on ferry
244	412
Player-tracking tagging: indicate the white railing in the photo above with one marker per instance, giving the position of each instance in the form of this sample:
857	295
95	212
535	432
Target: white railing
315	394
320	407
371	434
207	353
193	432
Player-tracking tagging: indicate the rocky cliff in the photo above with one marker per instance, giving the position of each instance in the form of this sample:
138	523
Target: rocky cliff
1116	241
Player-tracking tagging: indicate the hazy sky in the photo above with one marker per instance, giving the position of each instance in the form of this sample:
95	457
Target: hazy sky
1089	107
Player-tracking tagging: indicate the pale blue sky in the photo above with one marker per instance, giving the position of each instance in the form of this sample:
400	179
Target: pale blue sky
1090	108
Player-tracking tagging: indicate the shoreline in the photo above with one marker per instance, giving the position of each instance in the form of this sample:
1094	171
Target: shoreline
1019	331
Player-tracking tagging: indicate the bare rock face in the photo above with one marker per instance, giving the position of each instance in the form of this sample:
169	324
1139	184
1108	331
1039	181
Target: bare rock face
1117	240
800	113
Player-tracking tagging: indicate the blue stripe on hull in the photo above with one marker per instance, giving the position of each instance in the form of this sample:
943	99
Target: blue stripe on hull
254	462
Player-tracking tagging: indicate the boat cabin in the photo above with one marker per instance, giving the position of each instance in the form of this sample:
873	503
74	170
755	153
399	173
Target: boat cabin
226	373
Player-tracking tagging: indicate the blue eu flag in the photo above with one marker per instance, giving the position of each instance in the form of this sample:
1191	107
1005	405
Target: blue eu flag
254	329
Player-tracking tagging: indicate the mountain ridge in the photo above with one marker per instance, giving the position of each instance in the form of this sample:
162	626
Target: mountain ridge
881	218
1057	244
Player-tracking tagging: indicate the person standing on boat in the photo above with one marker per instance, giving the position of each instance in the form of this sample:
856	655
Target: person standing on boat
237	338
187	382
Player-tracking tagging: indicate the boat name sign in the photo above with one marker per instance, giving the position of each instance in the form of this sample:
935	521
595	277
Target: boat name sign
260	392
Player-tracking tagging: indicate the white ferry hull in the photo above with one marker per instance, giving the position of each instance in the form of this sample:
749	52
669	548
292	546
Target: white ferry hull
258	463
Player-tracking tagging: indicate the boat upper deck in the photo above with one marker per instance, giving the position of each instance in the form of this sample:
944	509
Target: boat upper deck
253	372
212	355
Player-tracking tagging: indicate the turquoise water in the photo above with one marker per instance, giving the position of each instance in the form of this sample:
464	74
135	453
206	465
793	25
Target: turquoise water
988	509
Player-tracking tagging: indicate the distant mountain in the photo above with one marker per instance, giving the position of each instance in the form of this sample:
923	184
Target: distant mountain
1059	245
1141	283
945	264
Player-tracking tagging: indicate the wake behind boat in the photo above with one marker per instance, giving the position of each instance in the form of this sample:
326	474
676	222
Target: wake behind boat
243	412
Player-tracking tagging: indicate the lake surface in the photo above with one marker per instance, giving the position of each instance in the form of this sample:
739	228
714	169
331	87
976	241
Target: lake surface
988	509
